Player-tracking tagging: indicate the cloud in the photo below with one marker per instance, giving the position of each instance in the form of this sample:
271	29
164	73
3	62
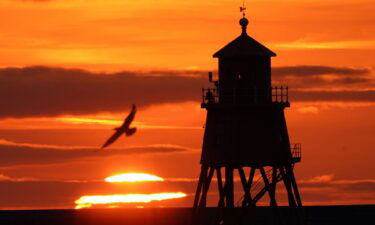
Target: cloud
351	186
322	76
305	70
44	91
13	179
328	181
14	154
61	194
319	179
308	109
356	185
350	96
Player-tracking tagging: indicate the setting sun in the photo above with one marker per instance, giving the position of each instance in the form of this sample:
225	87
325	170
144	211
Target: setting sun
88	201
133	177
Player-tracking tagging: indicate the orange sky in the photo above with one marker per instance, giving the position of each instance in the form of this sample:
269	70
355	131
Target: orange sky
120	34
175	39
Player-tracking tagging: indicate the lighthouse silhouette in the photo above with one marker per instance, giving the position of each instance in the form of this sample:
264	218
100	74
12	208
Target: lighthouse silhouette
246	131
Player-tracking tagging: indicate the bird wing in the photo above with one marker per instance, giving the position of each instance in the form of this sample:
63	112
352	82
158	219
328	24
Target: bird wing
113	138
130	117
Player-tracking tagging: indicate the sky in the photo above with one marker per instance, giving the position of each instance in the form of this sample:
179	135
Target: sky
70	70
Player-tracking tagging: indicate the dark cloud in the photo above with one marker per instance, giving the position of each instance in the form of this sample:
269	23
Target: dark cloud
321	82
322	76
317	71
358	186
44	91
350	96
14	154
328	181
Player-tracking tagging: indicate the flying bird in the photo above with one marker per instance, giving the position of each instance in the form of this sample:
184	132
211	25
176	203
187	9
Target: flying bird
124	129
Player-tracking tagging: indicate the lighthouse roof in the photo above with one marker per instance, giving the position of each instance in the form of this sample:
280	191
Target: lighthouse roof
243	46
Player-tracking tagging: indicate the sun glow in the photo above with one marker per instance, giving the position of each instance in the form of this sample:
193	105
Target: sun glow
89	201
114	122
133	177
89	121
363	44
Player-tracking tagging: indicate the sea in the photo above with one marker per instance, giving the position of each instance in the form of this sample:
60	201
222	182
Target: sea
309	215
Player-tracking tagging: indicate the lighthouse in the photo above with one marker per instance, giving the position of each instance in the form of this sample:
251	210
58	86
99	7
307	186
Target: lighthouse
246	131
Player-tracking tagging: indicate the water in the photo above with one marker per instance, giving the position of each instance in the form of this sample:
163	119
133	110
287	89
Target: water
322	215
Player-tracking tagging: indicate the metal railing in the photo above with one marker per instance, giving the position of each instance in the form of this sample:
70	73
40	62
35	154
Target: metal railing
296	150
280	94
210	95
277	94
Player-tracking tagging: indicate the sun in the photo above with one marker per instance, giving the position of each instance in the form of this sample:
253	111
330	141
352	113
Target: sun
89	201
132	177
116	200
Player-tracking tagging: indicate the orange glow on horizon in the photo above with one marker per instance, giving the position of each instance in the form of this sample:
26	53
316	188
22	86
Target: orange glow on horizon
76	120
114	122
89	201
357	44
132	177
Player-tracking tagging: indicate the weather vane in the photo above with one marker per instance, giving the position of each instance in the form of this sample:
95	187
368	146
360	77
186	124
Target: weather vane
243	9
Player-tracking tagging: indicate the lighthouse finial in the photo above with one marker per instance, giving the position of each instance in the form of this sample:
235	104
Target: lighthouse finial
243	9
243	21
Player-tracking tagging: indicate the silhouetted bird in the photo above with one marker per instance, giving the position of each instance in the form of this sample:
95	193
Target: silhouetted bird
124	129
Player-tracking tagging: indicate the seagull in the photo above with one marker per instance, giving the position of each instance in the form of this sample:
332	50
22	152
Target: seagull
124	129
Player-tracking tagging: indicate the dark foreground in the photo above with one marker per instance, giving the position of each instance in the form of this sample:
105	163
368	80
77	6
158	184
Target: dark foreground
325	215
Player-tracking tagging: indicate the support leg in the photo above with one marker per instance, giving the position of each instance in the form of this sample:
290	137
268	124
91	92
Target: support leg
288	187
268	187
206	186
202	177
220	187
294	185
250	184
244	186
273	184
229	192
